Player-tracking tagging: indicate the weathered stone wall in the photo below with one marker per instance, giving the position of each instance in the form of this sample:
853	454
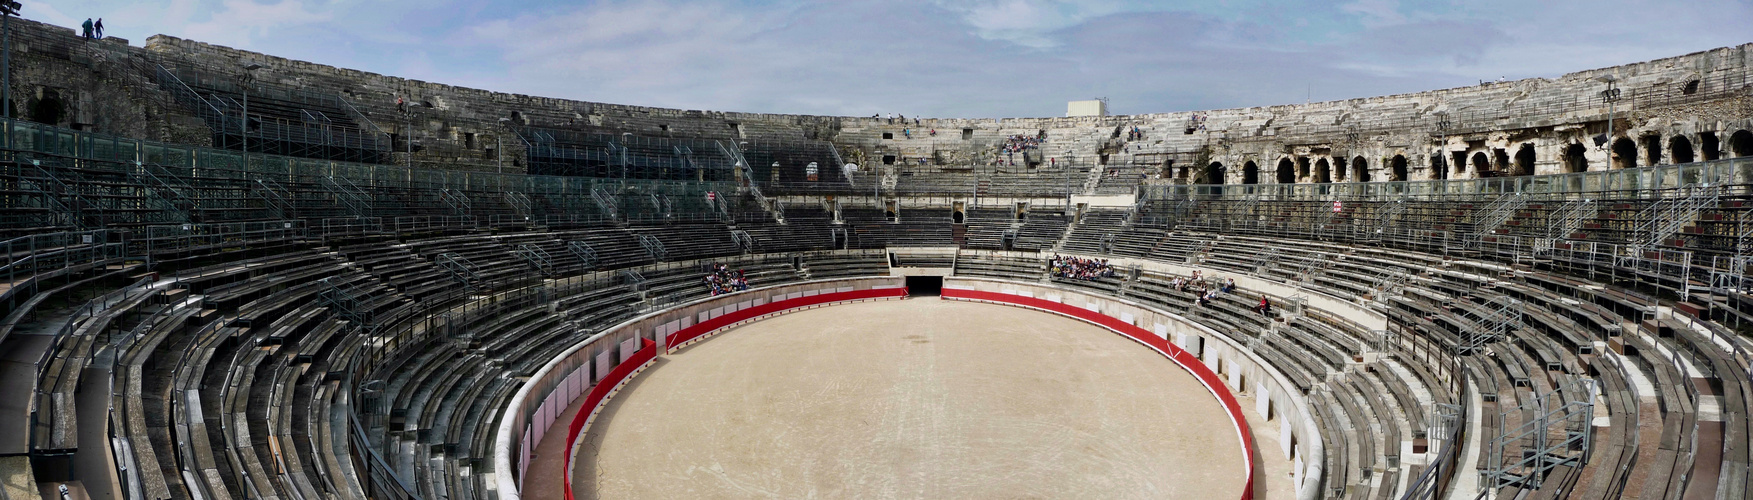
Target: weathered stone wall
114	92
105	85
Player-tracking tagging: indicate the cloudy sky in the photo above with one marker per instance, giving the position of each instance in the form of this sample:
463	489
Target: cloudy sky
941	58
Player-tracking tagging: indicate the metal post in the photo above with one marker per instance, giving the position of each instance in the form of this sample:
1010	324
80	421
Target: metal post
6	78
244	128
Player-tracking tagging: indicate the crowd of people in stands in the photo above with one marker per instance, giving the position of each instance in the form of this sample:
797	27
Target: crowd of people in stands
1016	144
1080	268
724	280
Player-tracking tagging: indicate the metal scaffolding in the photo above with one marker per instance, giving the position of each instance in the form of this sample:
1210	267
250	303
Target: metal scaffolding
1556	431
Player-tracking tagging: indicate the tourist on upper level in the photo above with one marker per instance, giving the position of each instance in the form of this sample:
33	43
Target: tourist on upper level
87	26
99	27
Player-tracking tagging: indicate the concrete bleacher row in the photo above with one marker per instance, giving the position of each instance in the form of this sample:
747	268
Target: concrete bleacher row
239	361
234	371
1647	362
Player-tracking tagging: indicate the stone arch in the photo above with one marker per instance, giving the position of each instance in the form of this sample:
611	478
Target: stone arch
1286	171
1680	149
1339	169
1323	173
1397	168
1652	150
1214	174
1624	154
1708	146
1481	163
1250	173
1360	170
1439	166
1576	159
1741	144
1524	160
49	108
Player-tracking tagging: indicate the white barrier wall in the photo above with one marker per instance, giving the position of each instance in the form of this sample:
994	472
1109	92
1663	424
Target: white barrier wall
1245	372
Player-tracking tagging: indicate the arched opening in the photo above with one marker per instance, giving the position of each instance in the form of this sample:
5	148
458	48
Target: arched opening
1707	146
1286	172
1741	144
1360	170
1439	167
1624	153
1524	164
48	109
1250	173
1214	174
1397	168
1302	167
1322	172
1481	164
1339	170
1652	150
1680	149
1575	159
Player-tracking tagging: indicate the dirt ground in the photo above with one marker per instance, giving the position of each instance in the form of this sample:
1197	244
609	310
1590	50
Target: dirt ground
919	398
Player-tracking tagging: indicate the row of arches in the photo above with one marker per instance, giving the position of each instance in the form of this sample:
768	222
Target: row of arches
1339	170
1624	153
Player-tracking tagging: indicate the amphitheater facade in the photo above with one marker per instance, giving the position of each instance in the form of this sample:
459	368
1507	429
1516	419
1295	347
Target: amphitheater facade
233	275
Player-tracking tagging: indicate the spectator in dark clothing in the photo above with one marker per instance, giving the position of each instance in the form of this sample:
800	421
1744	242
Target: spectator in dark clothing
87	26
99	27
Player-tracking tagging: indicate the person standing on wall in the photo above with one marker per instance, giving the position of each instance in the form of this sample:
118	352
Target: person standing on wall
87	26
99	28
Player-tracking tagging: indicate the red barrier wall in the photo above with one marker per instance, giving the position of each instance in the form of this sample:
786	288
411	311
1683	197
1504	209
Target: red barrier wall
600	392
1187	361
597	395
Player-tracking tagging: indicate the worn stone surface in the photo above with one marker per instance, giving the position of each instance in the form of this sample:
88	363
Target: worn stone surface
108	86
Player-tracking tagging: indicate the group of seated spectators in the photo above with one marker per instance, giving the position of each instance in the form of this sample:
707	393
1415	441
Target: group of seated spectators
1080	268
1018	143
1206	288
723	280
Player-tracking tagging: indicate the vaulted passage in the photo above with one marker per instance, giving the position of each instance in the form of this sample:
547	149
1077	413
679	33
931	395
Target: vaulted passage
1575	159
1481	164
1250	173
1624	153
1360	170
1397	168
1286	172
1652	149
1524	164
1680	149
1741	144
1214	174
1322	172
1708	146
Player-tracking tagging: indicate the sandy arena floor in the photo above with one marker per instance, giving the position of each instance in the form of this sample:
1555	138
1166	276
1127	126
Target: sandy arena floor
920	398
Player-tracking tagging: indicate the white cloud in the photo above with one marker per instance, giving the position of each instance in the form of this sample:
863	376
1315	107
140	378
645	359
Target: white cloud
1376	12
241	22
47	13
1027	22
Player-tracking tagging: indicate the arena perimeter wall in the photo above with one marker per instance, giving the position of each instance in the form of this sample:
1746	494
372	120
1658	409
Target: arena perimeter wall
597	366
1191	350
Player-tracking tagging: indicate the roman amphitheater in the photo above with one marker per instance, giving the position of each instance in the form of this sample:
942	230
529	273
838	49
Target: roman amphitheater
233	275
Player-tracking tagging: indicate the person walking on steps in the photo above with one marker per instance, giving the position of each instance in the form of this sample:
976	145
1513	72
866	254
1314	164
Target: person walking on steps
87	26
